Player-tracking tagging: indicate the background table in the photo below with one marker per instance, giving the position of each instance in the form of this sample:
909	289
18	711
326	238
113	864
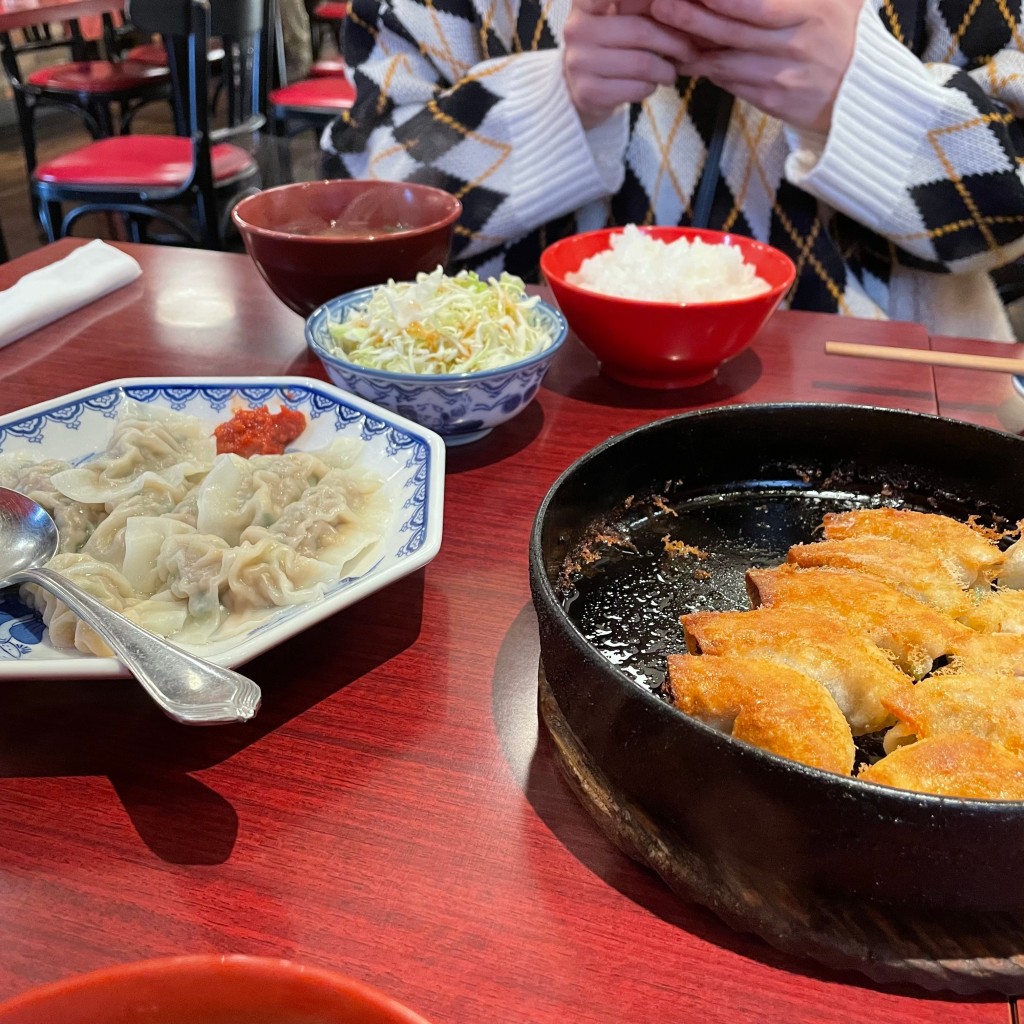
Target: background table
393	811
25	13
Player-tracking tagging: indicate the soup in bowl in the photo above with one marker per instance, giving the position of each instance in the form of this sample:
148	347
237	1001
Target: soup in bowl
314	240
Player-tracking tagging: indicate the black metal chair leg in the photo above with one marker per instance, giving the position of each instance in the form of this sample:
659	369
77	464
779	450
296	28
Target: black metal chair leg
26	128
50	217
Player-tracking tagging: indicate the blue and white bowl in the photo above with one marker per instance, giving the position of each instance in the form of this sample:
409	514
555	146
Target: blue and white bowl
461	407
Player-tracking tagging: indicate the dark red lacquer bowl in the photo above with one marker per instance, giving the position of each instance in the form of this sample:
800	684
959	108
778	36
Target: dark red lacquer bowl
664	344
315	240
207	989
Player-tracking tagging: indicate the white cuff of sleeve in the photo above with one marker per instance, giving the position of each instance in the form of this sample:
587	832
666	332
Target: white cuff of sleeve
860	166
558	166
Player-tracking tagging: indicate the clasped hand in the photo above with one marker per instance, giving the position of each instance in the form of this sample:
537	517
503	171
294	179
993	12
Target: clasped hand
785	57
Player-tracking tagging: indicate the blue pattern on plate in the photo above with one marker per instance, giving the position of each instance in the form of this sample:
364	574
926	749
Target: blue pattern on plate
22	631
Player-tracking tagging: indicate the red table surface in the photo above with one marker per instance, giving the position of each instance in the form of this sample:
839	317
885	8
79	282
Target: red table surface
392	812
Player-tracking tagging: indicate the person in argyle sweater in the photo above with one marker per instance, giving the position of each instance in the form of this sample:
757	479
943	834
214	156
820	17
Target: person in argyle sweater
874	141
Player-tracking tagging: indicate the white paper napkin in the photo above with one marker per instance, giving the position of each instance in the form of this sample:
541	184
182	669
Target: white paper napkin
51	292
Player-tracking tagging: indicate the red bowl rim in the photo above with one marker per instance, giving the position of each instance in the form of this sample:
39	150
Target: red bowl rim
272	233
722	237
199	965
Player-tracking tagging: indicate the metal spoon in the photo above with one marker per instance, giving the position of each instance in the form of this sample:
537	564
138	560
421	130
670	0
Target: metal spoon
189	689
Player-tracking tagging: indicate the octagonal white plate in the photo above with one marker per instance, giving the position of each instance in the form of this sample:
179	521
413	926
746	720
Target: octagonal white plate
74	427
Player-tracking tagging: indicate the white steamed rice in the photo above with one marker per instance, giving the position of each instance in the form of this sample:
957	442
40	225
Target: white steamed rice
638	266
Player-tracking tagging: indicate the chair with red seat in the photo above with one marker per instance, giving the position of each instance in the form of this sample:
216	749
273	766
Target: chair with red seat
185	183
328	67
309	105
326	17
90	88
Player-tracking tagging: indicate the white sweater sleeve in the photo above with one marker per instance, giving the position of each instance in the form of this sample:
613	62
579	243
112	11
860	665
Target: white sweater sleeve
921	152
500	132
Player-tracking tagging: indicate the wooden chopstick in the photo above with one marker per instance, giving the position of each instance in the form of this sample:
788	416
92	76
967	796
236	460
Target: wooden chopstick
996	364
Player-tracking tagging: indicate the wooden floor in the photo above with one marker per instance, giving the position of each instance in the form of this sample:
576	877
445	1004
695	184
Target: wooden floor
59	131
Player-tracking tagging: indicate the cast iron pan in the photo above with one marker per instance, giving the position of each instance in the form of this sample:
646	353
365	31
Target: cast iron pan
743	483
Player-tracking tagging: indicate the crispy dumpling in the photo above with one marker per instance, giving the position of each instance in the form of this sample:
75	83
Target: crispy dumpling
913	570
911	631
1011	572
847	664
992	653
958	765
989	706
999	611
974	556
765	704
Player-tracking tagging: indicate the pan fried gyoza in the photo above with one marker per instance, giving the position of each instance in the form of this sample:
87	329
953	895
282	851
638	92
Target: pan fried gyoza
913	570
987	705
958	765
766	704
888	595
992	653
847	664
999	611
1011	572
974	556
911	631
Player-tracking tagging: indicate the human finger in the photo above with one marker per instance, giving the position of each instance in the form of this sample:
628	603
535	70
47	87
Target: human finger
764	13
774	85
632	7
740	68
694	18
637	35
637	65
595	7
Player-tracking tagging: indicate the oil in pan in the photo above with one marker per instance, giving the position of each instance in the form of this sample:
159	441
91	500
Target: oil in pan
658	559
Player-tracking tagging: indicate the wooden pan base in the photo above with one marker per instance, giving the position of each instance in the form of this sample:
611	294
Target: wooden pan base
966	953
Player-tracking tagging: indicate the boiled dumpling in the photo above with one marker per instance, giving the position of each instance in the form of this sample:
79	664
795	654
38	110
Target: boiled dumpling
107	543
238	493
334	522
150	446
143	541
75	520
268	574
99	579
192	566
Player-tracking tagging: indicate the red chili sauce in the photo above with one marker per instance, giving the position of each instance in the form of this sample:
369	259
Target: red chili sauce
259	432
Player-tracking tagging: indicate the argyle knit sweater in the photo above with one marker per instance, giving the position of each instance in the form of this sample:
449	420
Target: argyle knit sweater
915	194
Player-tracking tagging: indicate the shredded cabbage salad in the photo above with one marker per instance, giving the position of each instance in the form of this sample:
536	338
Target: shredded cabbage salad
441	324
